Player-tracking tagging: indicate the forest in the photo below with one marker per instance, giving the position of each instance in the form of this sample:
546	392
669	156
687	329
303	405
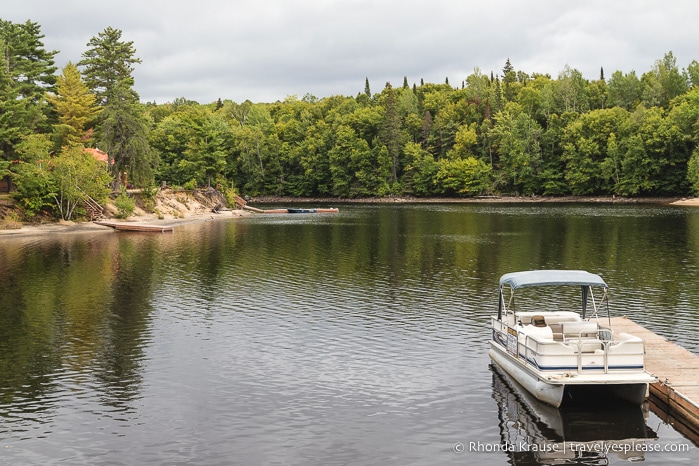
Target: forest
510	133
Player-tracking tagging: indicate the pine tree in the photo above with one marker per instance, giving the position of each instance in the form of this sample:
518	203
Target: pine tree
367	91
123	132
108	65
26	73
30	66
124	136
76	107
509	78
508	68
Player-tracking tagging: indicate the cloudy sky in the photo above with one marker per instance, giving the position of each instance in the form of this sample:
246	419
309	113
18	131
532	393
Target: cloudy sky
267	50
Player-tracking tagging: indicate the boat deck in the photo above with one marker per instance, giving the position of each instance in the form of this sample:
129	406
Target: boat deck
677	370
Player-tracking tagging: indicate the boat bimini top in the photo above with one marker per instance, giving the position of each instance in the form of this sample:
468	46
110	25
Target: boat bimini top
585	280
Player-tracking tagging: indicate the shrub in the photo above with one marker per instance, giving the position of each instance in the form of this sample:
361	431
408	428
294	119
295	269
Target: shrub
124	204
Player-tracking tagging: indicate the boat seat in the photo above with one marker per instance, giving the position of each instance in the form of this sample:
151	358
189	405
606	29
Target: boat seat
578	330
538	332
552	318
586	345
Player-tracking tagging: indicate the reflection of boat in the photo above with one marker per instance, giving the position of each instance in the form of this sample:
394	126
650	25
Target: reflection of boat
533	432
561	353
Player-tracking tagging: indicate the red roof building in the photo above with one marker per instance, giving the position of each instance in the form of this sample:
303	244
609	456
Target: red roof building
98	154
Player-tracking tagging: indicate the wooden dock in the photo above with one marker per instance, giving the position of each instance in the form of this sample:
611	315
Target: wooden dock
126	226
676	394
330	210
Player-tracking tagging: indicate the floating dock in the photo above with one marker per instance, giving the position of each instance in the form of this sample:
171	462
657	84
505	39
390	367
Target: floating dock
292	211
676	393
125	226
242	202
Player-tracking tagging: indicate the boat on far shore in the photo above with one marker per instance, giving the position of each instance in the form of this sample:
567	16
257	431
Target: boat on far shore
313	211
561	355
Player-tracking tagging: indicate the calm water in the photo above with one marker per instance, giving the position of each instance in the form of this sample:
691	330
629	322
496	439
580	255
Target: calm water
357	338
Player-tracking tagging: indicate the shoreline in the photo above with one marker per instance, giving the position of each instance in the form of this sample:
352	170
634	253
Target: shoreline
477	200
62	227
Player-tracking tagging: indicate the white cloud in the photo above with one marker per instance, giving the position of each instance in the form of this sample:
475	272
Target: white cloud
265	50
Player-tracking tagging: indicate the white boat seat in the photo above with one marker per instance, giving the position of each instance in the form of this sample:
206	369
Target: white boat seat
540	333
552	318
579	330
586	345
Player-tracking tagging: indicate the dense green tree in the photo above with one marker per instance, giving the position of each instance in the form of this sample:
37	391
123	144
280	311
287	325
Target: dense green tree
60	183
28	63
685	116
171	138
30	173
663	83
75	106
571	90
624	90
420	171
390	133
464	177
586	153
26	73
209	150
517	138
515	132
253	160
108	66
655	160
509	82
693	73
76	176
478	86
598	94
123	130
124	136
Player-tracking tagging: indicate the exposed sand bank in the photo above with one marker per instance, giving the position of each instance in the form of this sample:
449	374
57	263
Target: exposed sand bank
691	201
48	229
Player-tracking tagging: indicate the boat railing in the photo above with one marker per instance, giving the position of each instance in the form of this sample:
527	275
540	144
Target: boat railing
585	353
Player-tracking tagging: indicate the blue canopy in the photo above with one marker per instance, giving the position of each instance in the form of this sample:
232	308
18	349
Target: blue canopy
551	277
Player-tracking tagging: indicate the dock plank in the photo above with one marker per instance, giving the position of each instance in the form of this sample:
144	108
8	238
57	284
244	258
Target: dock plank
127	226
677	370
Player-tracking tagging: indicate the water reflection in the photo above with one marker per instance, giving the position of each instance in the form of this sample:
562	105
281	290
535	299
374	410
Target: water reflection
535	433
74	319
352	338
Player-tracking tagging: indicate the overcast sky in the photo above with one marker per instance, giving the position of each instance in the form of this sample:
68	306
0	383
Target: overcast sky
267	50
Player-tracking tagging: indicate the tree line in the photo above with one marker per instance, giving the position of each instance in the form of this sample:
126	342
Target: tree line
510	133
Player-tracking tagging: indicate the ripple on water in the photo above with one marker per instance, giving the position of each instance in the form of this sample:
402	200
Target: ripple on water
252	351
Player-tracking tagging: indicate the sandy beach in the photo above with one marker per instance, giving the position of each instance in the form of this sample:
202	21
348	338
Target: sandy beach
691	202
62	227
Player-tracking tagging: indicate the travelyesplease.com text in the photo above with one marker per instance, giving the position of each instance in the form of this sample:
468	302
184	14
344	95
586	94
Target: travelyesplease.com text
563	447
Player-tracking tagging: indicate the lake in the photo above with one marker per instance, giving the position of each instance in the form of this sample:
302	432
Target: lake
351	338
